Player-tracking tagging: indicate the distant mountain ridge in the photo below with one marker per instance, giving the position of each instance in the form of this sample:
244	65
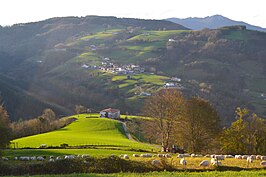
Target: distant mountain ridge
211	22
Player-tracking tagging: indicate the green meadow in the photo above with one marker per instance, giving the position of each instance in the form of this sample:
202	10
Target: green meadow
97	132
171	174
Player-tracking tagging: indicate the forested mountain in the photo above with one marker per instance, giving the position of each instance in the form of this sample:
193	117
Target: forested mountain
211	22
62	62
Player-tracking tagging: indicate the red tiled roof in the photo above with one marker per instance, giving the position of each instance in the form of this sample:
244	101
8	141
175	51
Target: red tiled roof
110	110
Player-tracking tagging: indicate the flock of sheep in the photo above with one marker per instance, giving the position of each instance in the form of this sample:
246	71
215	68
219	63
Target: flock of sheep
42	158
215	159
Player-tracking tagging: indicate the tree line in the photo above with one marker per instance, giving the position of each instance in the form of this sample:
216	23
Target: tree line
194	125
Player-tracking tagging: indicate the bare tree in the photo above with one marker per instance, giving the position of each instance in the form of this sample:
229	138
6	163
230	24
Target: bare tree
166	109
80	109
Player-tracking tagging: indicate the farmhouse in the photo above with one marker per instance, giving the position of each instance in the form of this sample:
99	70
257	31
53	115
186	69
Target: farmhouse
110	113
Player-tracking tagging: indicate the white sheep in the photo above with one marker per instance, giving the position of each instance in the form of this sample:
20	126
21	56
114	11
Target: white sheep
160	155
167	155
193	155
238	156
5	159
263	163
33	158
58	158
212	156
24	158
219	157
126	156
263	158
40	158
183	162
204	163
245	156
249	159
186	155
253	157
229	156
145	155
84	156
135	155
258	157
180	156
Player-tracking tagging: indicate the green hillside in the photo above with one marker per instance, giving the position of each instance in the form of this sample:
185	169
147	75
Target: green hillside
85	131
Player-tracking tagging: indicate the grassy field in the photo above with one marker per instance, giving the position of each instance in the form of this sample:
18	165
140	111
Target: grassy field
100	132
157	35
259	173
139	78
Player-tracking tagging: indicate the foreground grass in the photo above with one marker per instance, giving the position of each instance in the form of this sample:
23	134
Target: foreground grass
170	174
85	131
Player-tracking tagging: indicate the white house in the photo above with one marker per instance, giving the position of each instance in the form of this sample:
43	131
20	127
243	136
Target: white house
110	113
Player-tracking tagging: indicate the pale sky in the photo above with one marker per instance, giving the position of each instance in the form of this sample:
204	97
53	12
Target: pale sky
22	11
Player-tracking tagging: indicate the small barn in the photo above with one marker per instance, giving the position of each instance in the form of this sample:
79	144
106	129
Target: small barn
110	113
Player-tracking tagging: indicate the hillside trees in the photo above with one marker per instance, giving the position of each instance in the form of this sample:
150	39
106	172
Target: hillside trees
5	131
80	109
43	123
245	135
200	126
166	108
193	124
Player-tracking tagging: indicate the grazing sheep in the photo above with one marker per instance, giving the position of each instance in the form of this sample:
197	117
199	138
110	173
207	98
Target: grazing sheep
238	156
58	158
126	156
229	156
33	158
84	156
160	155
40	158
193	155
204	163
212	156
135	155
249	159
213	160
145	155
24	158
253	157
263	163
179	156
15	158
183	161
186	155
245	156
155	162
70	157
167	155
5	159
263	158
219	157
258	157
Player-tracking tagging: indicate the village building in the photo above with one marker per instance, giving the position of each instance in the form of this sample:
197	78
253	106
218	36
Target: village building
110	113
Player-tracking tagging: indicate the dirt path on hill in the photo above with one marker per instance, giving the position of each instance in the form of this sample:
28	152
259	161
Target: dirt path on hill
127	133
